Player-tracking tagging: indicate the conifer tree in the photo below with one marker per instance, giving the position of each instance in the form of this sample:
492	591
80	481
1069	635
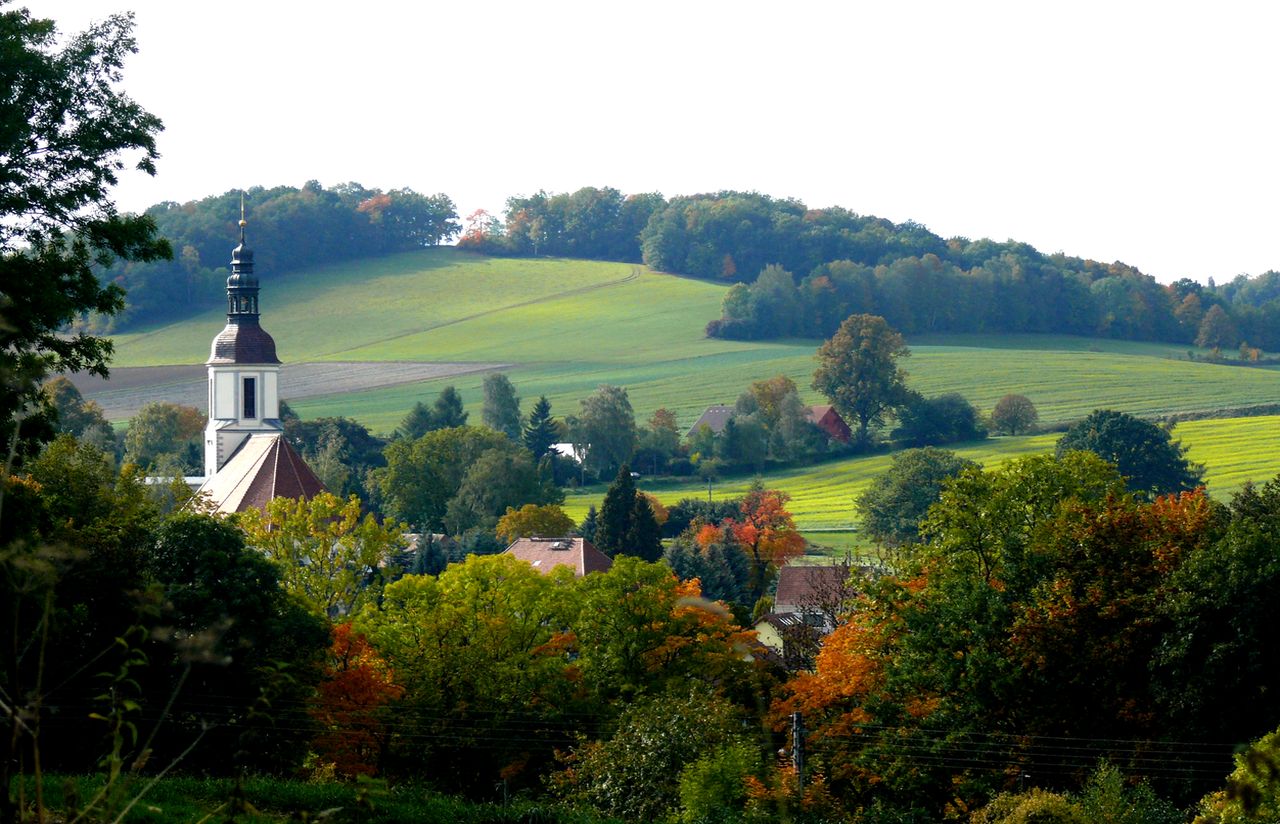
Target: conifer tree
617	514
644	537
589	524
447	411
540	433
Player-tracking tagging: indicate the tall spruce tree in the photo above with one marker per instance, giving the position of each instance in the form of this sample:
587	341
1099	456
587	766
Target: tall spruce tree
617	514
447	411
644	536
540	433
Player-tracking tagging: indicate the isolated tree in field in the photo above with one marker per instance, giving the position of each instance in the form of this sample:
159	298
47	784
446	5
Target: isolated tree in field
501	410
892	507
1151	462
541	431
605	430
326	553
66	131
534	521
1014	414
858	371
935	421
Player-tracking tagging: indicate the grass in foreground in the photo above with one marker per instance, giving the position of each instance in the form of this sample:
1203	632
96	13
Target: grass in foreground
260	799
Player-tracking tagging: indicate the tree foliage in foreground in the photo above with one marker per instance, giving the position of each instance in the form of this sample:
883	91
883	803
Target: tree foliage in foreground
66	130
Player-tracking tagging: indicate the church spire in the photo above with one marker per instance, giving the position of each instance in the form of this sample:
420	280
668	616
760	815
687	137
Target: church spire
243	340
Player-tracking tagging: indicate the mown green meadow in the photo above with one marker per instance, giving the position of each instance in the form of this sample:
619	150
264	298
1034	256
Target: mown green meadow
567	326
1233	451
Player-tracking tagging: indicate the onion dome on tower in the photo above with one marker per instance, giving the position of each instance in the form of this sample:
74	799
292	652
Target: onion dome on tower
243	340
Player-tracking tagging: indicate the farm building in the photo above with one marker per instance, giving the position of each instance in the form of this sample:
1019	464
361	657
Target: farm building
247	461
545	554
714	419
826	418
816	594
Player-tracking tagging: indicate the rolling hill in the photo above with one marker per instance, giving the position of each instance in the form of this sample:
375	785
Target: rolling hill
562	327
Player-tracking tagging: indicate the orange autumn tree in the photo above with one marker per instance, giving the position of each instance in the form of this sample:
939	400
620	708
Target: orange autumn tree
765	532
350	705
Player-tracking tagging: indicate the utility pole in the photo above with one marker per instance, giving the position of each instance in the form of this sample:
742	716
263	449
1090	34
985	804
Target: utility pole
797	747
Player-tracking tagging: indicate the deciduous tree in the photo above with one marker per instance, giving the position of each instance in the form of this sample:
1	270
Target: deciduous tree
604	430
501	410
858	371
326	553
1151	462
66	131
1014	414
893	505
534	521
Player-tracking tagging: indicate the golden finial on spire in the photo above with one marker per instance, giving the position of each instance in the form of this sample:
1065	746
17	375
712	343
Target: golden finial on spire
243	222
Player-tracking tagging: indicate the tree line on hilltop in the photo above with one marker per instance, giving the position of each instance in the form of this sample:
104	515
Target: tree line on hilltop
290	228
801	271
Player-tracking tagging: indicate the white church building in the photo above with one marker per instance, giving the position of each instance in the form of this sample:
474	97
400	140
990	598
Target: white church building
247	460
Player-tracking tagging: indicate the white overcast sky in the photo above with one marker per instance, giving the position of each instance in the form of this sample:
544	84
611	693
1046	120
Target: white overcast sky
1142	132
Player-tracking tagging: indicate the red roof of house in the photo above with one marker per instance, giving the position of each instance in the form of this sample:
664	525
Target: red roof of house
264	467
544	554
805	586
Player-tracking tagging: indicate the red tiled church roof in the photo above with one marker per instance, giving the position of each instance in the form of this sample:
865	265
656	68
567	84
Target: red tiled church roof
264	467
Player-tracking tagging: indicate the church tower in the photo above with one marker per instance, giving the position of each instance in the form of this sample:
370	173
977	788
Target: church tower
244	371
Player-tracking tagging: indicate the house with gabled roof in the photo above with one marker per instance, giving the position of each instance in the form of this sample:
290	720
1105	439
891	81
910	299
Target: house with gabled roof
715	419
825	417
545	554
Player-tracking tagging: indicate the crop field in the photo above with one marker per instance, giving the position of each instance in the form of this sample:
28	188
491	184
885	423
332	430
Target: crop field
1233	450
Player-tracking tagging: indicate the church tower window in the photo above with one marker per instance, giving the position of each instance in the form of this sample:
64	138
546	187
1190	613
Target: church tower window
250	398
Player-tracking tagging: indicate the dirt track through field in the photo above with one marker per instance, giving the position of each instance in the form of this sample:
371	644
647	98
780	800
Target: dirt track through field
132	387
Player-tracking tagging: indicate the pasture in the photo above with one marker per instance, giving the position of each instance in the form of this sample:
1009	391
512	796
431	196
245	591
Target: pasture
563	327
1233	451
566	326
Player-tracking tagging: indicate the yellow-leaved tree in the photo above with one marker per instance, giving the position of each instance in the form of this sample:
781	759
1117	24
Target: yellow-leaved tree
327	554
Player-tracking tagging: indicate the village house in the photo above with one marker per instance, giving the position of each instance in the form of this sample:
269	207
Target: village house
545	554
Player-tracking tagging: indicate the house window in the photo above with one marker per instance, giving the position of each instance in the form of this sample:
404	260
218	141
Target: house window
250	398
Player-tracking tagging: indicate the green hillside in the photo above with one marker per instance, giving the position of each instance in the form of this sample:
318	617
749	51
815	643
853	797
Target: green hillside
566	326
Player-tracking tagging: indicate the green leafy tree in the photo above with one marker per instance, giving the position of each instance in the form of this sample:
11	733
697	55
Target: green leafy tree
635	774
75	415
604	430
225	616
1014	414
540	432
480	651
858	372
498	480
161	430
936	421
1151	462
893	505
66	130
423	475
501	410
327	555
534	521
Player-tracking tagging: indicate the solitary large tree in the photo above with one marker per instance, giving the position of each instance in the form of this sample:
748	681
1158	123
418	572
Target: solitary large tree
65	131
858	371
